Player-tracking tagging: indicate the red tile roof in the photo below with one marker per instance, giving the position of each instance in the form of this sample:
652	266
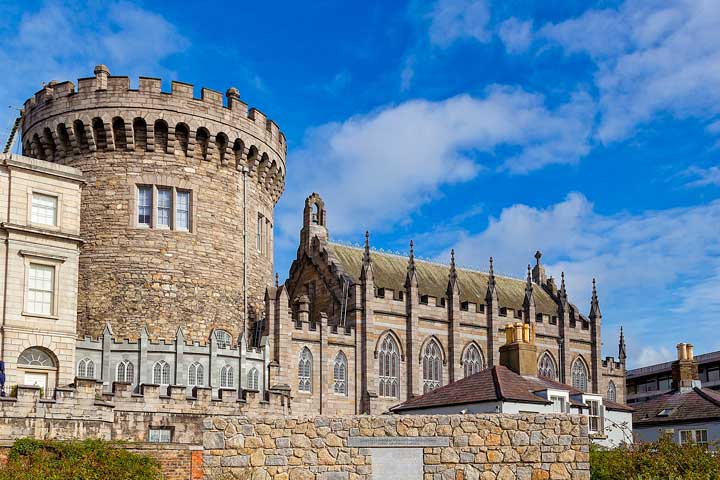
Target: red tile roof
677	407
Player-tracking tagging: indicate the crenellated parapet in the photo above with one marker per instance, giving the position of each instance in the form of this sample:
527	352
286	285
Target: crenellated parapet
104	114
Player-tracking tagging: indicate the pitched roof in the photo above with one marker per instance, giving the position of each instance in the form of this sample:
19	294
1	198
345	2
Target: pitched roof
678	407
389	271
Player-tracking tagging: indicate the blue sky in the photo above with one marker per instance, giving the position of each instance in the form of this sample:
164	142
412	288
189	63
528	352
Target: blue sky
587	130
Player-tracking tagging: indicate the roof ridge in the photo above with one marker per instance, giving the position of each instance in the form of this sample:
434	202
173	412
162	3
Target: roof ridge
498	384
707	396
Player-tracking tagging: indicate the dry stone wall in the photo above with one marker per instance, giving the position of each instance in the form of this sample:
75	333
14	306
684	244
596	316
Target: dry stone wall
456	447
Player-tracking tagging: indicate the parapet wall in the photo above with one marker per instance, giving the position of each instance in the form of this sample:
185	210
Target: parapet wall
488	447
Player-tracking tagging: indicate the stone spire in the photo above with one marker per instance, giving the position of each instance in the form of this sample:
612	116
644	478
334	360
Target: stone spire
594	303
366	272
538	272
491	294
411	278
563	292
622	352
529	301
452	274
277	280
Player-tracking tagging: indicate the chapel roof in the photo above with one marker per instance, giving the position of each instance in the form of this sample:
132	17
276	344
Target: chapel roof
390	270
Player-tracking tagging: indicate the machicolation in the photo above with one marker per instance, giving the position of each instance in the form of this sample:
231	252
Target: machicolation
174	183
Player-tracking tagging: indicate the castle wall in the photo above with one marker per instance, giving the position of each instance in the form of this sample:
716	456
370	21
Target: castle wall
137	271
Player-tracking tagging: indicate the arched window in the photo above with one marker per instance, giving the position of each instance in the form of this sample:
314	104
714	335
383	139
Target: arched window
340	374
305	371
579	375
36	357
432	366
86	368
226	377
223	338
253	379
195	375
612	392
125	372
547	367
161	373
473	360
389	359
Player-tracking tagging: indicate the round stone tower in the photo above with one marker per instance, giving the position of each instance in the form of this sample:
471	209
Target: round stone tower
177	213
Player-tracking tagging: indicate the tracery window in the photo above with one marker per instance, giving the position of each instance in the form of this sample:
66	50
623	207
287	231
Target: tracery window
612	392
196	375
223	338
579	375
125	372
547	367
226	377
340	374
473	360
161	373
86	368
389	359
253	379
432	366
305	371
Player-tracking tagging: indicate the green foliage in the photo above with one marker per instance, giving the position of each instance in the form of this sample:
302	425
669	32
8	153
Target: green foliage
660	460
87	460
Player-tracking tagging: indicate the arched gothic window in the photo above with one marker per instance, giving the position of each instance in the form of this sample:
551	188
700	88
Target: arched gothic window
579	375
161	373
305	371
340	374
547	367
432	366
253	379
223	338
195	375
473	360
226	377
86	368
612	392
125	372
389	356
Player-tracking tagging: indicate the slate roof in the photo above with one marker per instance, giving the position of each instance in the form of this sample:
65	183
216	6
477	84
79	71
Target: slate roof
494	384
389	271
693	405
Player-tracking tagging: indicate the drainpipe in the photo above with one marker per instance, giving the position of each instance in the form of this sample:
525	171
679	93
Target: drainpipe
245	305
7	261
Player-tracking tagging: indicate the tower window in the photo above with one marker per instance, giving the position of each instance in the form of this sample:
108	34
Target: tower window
44	209
144	205
164	206
170	210
182	211
41	289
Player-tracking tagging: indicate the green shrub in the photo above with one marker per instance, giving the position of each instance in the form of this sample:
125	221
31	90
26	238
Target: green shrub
660	460
87	460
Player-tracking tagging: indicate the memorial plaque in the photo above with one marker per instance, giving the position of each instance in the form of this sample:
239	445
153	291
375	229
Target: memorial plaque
397	463
398	442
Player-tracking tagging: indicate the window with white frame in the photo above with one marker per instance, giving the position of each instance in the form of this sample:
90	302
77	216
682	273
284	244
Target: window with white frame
182	210
226	377
263	235
125	372
546	367
432	366
195	375
595	418
40	289
159	435
253	379
44	209
144	209
389	364
698	436
164	207
472	360
611	392
340	374
305	371
161	373
222	338
579	375
86	368
558	403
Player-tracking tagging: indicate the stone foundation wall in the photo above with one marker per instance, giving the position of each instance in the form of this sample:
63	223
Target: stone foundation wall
455	447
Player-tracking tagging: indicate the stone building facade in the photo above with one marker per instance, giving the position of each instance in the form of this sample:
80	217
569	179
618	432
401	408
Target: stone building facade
39	226
177	213
358	331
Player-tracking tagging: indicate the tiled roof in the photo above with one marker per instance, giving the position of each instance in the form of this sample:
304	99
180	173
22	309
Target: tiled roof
389	271
677	407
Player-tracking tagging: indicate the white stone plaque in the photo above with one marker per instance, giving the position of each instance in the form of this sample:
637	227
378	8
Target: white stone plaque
397	463
392	442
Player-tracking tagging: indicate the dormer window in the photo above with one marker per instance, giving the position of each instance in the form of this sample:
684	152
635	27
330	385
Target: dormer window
503	312
424	299
464	306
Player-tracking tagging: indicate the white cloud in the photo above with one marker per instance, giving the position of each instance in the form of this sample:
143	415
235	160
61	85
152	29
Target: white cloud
653	57
703	176
516	35
377	168
652	355
453	20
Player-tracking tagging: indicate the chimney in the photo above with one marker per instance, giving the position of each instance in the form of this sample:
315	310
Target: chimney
519	353
101	74
685	369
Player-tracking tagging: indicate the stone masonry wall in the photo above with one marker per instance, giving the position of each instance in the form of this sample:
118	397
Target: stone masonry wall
477	447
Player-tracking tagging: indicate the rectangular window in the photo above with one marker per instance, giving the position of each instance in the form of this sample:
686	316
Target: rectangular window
558	404
693	436
164	206
144	205
259	235
665	383
160	435
595	420
182	211
44	209
41	289
713	375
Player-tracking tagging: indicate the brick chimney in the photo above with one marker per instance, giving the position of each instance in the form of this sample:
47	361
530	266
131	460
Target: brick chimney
685	369
519	353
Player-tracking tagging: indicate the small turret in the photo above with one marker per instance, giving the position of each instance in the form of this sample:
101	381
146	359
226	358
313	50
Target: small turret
538	272
314	218
594	304
491	281
622	352
452	275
